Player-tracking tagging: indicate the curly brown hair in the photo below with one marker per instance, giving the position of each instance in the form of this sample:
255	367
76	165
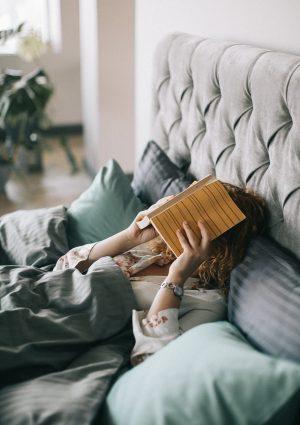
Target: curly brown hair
229	248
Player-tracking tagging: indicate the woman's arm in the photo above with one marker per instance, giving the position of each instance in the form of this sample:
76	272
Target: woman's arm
114	245
196	249
126	239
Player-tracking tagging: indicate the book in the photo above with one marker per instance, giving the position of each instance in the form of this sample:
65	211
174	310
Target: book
206	200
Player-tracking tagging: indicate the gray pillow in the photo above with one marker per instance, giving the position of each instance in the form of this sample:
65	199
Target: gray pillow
34	237
264	299
157	176
4	259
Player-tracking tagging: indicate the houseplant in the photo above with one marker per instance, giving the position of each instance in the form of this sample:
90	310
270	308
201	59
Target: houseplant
23	101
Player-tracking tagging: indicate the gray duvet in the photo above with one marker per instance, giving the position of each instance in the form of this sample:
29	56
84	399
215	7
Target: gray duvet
64	337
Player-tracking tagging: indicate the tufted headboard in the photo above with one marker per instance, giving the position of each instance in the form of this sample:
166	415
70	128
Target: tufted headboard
233	110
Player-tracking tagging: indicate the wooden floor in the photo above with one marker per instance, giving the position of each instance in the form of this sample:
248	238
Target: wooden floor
56	185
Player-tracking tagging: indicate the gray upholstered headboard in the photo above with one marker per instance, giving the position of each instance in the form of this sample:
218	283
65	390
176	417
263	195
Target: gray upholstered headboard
234	111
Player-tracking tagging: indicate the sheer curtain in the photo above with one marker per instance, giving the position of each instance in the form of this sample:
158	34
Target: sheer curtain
41	15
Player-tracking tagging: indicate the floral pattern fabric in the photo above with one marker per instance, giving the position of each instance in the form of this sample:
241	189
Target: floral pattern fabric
75	258
131	262
151	334
154	333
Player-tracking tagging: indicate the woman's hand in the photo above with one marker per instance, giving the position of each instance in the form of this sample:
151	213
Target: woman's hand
196	249
139	236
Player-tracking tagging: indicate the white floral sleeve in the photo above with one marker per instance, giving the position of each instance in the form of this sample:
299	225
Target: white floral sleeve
75	258
154	333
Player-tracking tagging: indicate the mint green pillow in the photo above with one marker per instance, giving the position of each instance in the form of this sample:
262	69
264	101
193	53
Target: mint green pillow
106	207
208	376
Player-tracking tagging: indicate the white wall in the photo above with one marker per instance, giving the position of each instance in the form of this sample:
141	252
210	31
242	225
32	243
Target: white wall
265	23
116	49
109	102
89	49
107	49
63	68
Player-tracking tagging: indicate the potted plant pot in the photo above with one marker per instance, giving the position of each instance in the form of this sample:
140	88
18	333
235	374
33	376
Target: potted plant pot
23	101
29	159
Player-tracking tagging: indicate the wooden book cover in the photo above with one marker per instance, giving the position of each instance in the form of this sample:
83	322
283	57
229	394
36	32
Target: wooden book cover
205	200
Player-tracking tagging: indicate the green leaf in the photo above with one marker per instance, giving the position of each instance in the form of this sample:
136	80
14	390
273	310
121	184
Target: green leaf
41	88
8	78
11	32
2	135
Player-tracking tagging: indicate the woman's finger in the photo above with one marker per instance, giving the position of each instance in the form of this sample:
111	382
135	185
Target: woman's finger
182	239
140	215
206	242
204	231
193	239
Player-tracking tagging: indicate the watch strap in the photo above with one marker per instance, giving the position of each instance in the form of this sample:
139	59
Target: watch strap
177	289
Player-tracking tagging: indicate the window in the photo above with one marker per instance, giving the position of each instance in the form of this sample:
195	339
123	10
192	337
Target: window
42	15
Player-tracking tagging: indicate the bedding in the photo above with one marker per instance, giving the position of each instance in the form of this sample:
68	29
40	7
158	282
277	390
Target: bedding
232	110
198	305
264	299
210	375
3	257
106	207
36	237
156	176
229	110
220	108
64	335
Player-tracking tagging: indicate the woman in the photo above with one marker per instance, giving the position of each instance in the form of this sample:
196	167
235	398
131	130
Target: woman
162	316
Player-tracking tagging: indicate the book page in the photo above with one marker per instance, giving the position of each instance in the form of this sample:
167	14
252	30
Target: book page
192	188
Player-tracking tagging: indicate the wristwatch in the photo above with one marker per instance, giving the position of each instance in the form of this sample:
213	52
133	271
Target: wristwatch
177	289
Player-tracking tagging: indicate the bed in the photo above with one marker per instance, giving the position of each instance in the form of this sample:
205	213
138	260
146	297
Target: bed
219	108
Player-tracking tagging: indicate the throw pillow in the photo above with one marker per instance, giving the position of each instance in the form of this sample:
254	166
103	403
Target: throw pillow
157	176
264	298
209	375
108	206
4	259
34	237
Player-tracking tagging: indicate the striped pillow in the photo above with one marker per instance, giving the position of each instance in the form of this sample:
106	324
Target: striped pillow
156	176
264	299
34	237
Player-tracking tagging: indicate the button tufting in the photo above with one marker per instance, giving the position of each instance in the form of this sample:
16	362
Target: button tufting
237	129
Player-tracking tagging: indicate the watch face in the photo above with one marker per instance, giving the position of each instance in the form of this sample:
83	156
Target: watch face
178	291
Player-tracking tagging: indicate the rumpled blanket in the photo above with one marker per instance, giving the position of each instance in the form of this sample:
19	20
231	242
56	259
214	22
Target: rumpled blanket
64	337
